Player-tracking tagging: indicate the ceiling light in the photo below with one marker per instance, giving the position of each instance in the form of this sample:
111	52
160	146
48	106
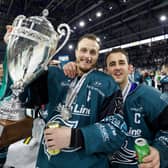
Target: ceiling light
90	19
81	23
98	14
124	1
110	7
163	18
137	43
70	46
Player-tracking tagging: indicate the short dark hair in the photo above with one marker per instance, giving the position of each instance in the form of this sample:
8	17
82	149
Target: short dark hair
90	37
116	50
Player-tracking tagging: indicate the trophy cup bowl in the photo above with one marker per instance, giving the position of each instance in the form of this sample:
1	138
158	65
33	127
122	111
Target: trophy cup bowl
31	46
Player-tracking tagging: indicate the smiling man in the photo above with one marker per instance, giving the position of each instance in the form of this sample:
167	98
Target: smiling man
88	109
146	114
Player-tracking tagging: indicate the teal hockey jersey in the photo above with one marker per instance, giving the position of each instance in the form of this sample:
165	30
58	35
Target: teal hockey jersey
146	115
92	114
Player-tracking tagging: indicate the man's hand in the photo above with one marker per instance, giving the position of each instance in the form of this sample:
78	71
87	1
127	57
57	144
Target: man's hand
70	69
152	160
8	32
54	62
57	138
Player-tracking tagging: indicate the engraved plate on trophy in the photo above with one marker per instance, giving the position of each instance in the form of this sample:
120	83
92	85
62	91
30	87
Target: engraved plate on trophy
31	46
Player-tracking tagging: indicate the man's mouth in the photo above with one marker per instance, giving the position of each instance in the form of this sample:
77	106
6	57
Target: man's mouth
88	61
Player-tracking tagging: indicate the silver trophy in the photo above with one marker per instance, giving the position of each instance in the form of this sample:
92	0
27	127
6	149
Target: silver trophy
31	46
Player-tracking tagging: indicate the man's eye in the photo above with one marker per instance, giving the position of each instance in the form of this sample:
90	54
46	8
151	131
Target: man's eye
93	52
83	50
112	64
122	63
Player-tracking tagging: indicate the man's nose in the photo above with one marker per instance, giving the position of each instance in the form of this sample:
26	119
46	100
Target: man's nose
117	66
88	55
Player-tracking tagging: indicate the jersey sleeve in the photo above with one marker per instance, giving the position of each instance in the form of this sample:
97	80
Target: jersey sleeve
108	134
156	120
161	144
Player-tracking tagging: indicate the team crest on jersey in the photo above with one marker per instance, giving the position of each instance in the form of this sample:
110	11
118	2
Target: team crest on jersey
124	156
62	122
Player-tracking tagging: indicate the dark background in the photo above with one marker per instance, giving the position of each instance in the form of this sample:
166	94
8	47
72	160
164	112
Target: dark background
122	21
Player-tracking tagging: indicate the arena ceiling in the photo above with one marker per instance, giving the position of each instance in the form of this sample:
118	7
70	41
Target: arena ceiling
121	21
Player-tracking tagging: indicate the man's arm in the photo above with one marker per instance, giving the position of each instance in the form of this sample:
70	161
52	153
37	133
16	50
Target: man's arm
159	147
106	135
158	152
109	132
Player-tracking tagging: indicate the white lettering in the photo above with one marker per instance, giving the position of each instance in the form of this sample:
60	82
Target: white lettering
134	132
81	110
137	118
76	109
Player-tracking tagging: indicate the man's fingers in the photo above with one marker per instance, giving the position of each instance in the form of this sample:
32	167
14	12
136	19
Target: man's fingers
152	160
70	69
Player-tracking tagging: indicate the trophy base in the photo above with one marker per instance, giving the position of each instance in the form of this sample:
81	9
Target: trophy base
12	131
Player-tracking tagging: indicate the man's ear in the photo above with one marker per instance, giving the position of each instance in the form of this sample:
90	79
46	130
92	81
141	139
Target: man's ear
130	68
105	70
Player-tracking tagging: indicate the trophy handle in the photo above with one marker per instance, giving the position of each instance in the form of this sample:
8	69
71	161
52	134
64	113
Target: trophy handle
61	30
